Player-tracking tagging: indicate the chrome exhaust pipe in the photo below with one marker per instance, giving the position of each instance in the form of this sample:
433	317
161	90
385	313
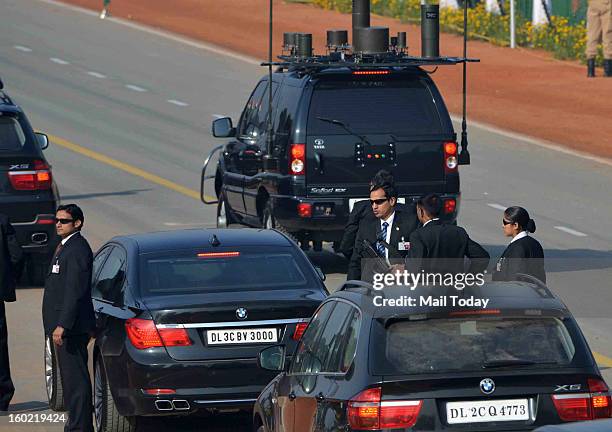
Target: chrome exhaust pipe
39	238
163	405
180	404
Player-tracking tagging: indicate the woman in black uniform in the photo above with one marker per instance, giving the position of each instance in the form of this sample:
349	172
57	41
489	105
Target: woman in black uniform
524	254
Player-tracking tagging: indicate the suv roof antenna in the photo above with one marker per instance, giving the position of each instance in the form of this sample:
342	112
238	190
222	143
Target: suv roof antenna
464	155
269	137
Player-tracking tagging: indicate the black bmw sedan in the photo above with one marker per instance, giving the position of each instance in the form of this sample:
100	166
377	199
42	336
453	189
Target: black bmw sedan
182	316
375	360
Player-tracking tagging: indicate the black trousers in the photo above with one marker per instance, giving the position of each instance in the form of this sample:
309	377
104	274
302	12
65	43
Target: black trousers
7	389
72	359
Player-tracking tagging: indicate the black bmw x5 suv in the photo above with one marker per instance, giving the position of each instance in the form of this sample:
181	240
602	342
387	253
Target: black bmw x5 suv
28	193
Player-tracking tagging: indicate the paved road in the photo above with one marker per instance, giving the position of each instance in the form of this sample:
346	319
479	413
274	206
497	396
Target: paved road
129	115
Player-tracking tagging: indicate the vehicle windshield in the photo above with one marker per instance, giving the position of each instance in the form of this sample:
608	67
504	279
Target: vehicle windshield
180	272
436	345
398	107
11	134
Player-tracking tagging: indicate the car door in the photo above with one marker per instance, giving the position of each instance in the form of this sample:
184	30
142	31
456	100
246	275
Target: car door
234	154
284	419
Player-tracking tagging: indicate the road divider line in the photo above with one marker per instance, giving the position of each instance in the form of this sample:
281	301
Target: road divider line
59	61
497	206
135	88
127	168
22	48
96	74
602	360
178	102
571	231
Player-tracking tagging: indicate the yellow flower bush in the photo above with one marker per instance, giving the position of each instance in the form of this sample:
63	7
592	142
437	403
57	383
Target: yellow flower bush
564	40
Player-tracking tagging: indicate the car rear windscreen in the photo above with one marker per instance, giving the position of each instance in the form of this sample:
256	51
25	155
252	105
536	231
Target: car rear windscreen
443	345
399	107
11	134
194	272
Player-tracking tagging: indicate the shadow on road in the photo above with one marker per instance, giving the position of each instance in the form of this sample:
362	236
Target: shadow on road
32	406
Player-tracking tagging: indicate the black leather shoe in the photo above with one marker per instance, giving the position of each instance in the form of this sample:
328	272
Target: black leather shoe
590	68
608	68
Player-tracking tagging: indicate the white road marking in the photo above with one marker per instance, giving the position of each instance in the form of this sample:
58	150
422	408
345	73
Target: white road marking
135	88
571	231
178	102
96	74
251	60
497	206
59	61
22	48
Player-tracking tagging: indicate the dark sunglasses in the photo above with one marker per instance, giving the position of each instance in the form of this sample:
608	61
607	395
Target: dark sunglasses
505	222
64	221
378	201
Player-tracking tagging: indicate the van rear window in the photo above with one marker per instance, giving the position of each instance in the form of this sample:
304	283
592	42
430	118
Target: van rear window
443	345
402	108
11	134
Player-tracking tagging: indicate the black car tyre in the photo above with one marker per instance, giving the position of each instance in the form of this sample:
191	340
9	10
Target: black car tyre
53	378
106	415
224	214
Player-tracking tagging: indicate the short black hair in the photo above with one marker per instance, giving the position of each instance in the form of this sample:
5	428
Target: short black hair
431	203
74	211
382	176
388	187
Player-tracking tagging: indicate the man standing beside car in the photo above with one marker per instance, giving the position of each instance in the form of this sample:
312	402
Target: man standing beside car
10	257
68	315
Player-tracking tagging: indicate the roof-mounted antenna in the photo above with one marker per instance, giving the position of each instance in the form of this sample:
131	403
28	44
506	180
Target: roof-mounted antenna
464	156
269	137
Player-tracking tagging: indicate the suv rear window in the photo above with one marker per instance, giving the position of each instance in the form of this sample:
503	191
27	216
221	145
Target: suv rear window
180	272
436	345
11	134
400	107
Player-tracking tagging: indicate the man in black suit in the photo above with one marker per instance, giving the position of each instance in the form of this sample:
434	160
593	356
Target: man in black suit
68	314
10	257
389	225
437	247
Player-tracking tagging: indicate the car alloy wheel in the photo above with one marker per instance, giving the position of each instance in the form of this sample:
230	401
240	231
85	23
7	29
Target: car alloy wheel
48	368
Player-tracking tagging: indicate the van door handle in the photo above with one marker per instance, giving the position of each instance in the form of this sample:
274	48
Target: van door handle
320	397
319	163
291	396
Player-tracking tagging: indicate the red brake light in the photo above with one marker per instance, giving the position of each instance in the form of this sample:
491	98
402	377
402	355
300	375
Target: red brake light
450	205
297	159
304	210
366	411
156	392
371	72
218	254
300	328
45	220
39	178
475	312
144	334
585	406
450	157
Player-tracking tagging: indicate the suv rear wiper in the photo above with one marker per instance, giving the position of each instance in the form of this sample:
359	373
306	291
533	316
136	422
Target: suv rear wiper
345	127
490	364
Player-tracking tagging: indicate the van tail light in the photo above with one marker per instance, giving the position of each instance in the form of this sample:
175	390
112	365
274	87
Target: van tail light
144	334
450	157
585	406
297	159
304	210
366	411
450	206
300	328
39	178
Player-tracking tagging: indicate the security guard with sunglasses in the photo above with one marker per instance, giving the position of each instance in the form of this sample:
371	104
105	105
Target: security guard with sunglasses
387	232
68	315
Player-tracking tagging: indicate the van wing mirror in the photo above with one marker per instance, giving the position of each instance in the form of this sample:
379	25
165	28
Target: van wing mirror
223	128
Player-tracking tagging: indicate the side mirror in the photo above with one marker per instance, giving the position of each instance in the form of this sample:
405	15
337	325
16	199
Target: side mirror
272	358
43	140
222	128
320	273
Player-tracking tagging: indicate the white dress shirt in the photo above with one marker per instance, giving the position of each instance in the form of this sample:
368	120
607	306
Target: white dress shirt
430	221
67	238
519	236
389	220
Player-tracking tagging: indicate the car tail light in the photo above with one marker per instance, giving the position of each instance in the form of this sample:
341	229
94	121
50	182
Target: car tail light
144	334
297	159
371	72
159	391
218	254
450	157
585	406
304	210
450	205
300	328
366	411
46	220
39	178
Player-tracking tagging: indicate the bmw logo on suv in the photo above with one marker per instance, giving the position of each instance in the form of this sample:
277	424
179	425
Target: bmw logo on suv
487	386
241	313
